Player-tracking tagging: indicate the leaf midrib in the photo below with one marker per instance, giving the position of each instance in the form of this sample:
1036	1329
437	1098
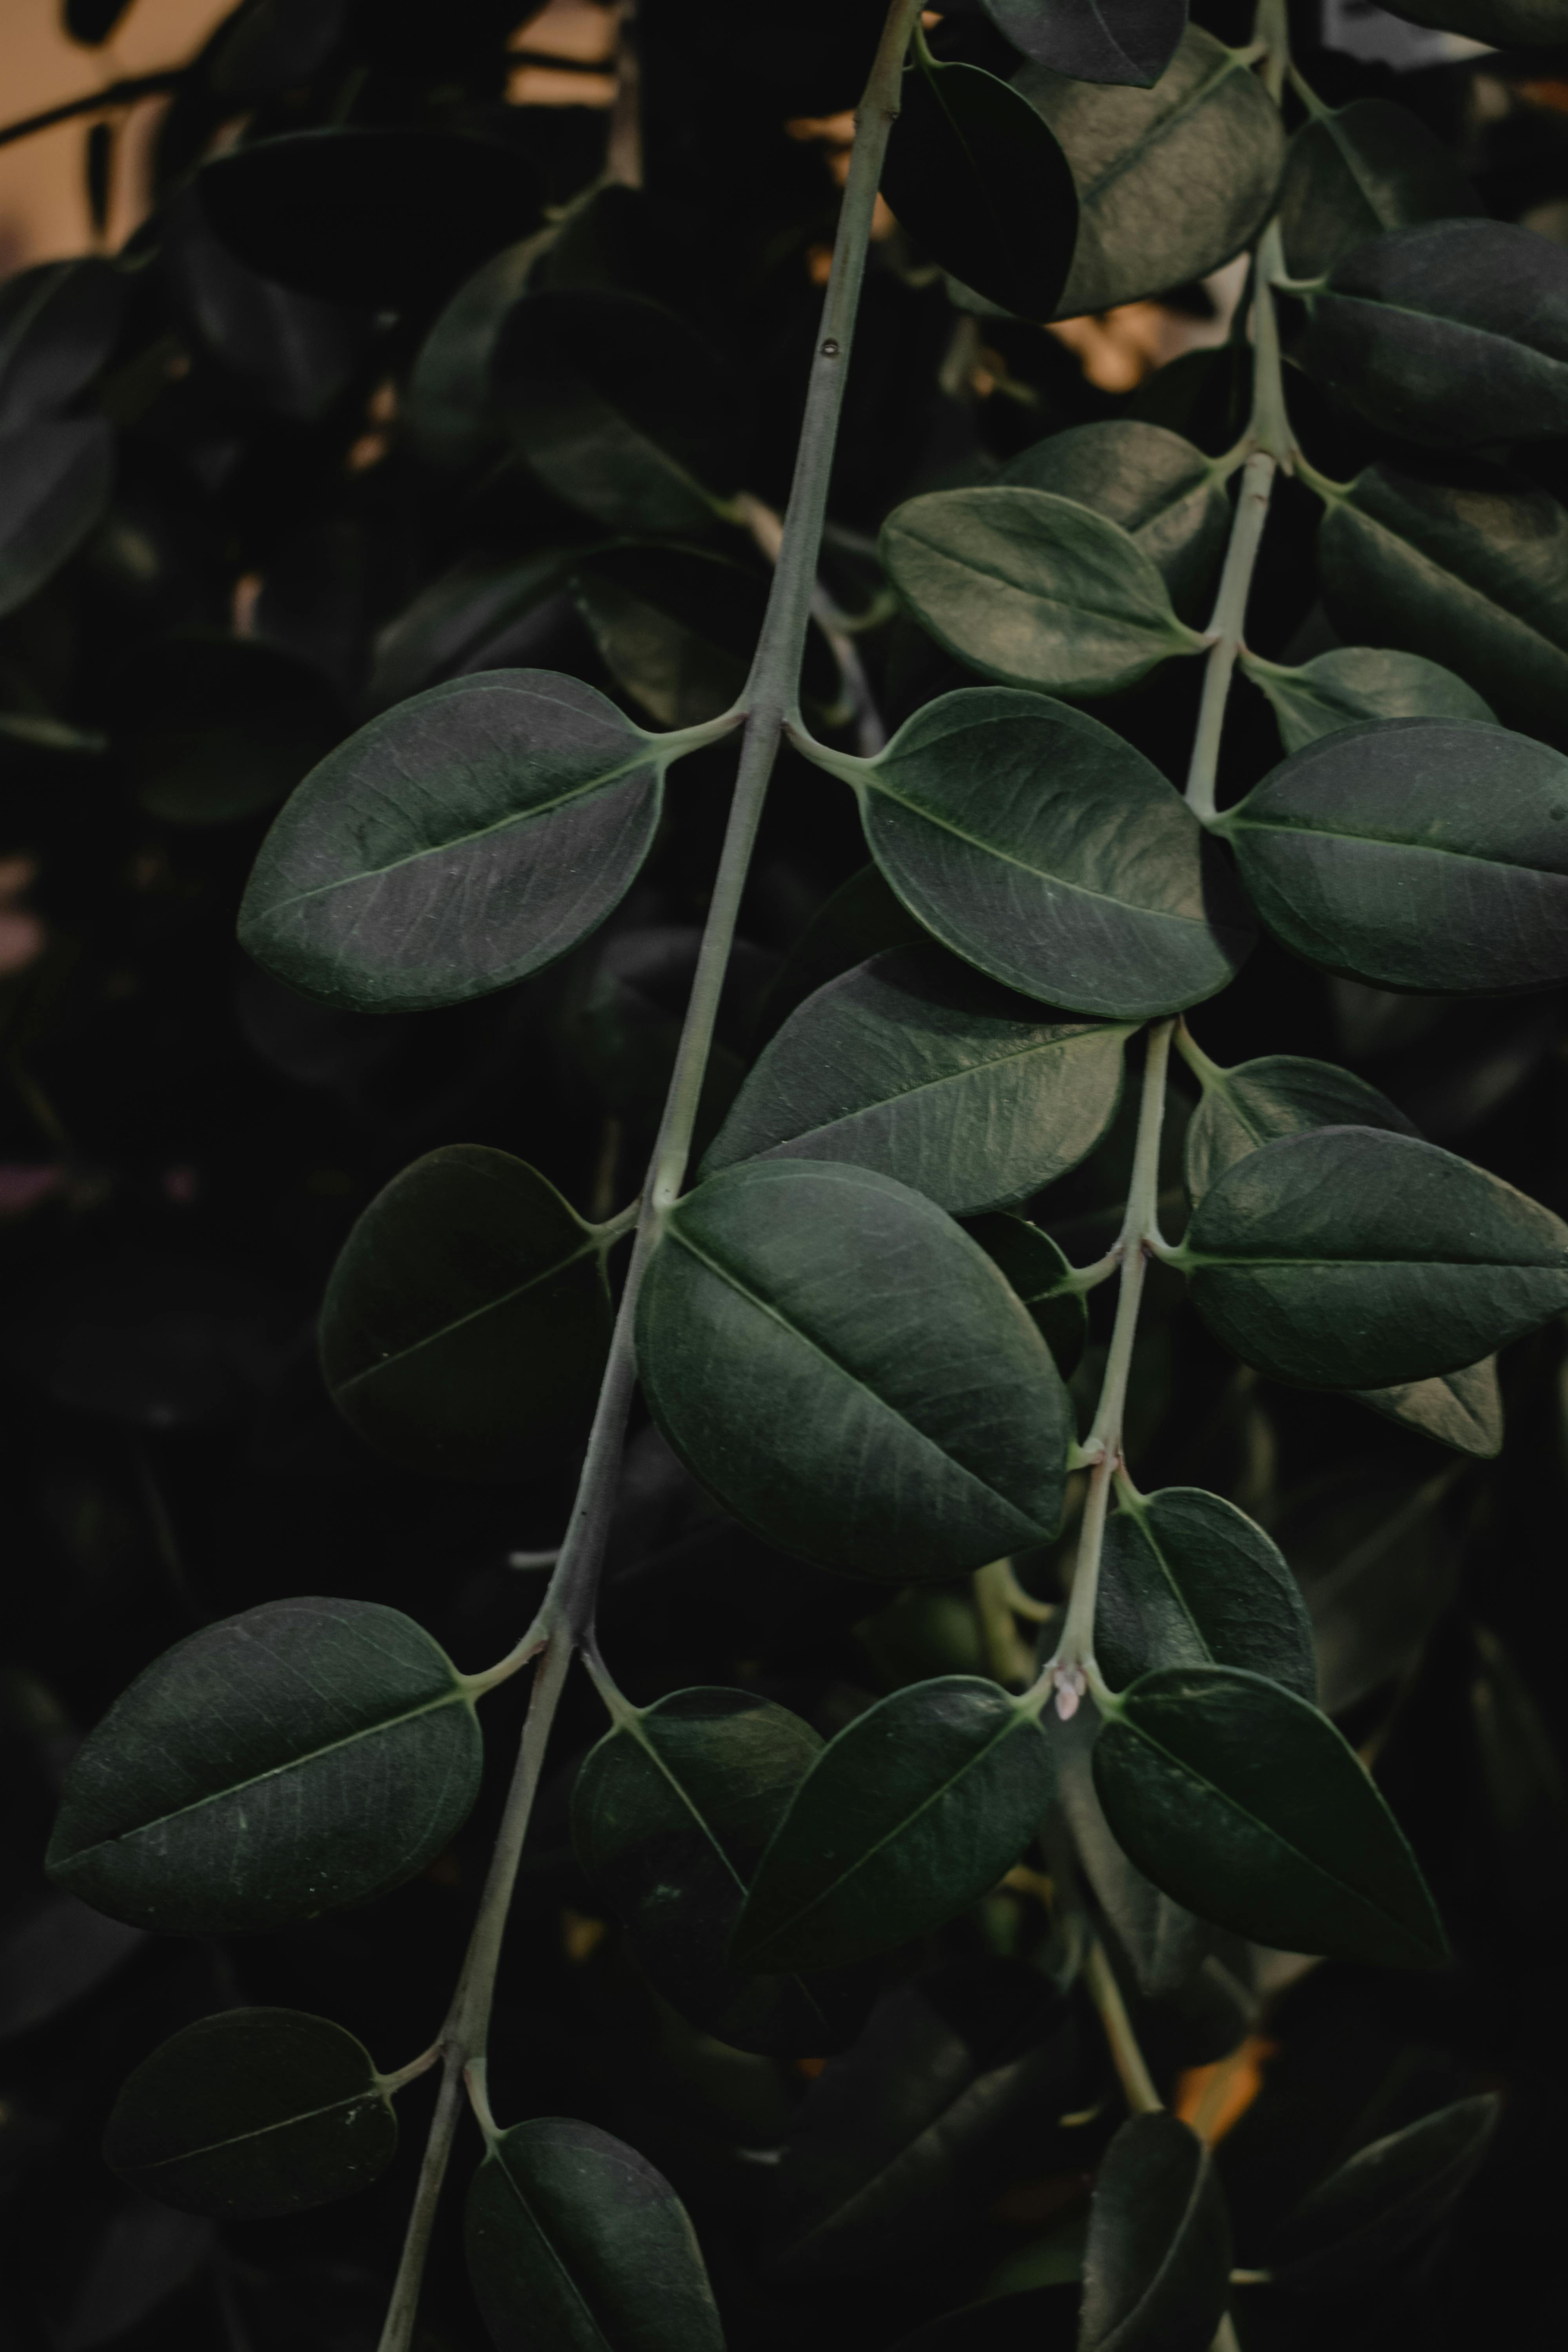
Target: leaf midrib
1379	841
490	1306
370	2097
1138	624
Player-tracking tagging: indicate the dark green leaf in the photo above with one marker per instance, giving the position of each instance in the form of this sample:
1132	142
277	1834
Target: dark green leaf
1348	1258
1164	1946
670	1817
908	1817
281	1763
1166	494
620	408
1171	181
1378	1567
575	2240
1186	1579
1472	574
253	2113
1039	846
848	1372
449	411
1506	24
293	354
1245	1803
1037	1273
59	323
918	1067
1360	168
54	486
1033	589
373	217
1426	854
457	624
1355	683
976	178
1452	332
860	920
678	628
213	729
1462	1409
466	1321
1127	41
1256	1102
1156	2269
457	843
1366	2216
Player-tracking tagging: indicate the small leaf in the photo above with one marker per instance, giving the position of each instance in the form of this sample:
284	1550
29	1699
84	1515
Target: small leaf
1357	170
276	1765
1033	589
1156	2269
976	178
1188	1580
908	1817
918	1067
1281	1094
1348	1258
1130	41
1042	847
670	1813
848	1374
1423	854
1171	181
1166	494
253	2113
1452	332
1354	683
1039	1274
1462	1409
55	482
457	843
575	2240
1245	1804
58	324
466	1318
1391	2196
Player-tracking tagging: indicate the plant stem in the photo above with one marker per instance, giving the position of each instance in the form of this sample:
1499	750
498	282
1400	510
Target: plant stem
1224	628
1136	2081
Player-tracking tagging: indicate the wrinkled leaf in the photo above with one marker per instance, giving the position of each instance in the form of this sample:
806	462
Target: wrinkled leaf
1185	1579
1156	2268
1357	683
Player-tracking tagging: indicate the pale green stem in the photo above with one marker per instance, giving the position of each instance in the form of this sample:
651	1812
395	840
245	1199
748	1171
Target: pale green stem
1137	2082
1224	629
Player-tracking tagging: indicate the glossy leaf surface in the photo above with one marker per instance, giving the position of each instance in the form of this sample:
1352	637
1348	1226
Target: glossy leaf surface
847	1373
54	486
1354	684
921	1068
466	1321
1127	41
1245	1803
1360	168
305	1755
1188	1580
59	323
1280	1094
454	844
1156	2268
1348	1258
253	2113
1391	2195
1163	492
573	2237
908	1817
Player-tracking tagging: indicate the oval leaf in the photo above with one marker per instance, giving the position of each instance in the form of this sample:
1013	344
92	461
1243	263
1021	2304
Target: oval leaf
1352	1259
466	1318
253	2113
1186	1579
1033	589
58	324
1166	494
846	1372
1365	2217
1156	2269
1354	171
1245	1804
1354	683
1130	41
908	1817
1420	854
54	486
921	1068
305	1755
1281	1094
455	844
575	2240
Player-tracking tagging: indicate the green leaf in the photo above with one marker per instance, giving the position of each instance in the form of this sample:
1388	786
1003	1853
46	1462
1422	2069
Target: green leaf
1245	1804
1038	1274
1378	1564
276	1765
908	1817
1167	496
1462	1409
54	487
58	324
1033	589
1256	1102
253	2113
670	1813
1130	41
976	178
213	729
677	627
1352	1259
1472	573
457	843
1424	854
1452	332
1042	847
1355	683
1163	1943
1186	1579
465	615
467	1319
861	919
1156	2270
1365	2217
448	410
920	1068
1172	181
575	2240
849	1375
1360	168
